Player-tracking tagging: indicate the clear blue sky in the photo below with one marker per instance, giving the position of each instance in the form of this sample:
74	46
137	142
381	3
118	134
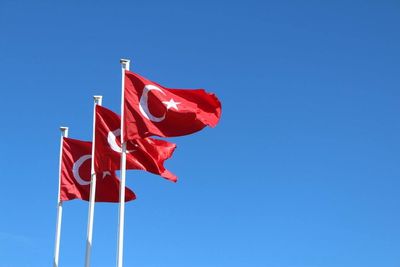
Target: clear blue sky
302	171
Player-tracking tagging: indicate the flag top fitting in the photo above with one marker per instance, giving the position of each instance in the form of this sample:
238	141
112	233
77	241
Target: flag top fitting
125	63
97	98
63	129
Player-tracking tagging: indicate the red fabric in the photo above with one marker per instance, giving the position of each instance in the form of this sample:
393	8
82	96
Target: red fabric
142	154
75	175
165	112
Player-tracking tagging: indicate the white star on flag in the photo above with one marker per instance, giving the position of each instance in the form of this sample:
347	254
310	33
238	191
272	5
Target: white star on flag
171	104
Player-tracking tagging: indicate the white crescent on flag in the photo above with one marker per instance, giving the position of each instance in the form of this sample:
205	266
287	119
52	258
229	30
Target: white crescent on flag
112	141
75	169
144	105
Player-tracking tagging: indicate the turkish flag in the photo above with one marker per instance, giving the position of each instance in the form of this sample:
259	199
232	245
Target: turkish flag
75	175
151	109
142	154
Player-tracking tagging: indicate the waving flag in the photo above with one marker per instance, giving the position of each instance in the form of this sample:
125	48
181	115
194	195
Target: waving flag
151	109
75	175
142	154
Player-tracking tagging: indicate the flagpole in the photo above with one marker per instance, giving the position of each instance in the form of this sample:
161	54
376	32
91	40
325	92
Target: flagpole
120	245
97	101
64	133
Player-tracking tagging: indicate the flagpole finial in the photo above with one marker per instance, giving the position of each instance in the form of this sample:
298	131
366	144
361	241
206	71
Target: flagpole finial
98	99
64	131
63	128
125	63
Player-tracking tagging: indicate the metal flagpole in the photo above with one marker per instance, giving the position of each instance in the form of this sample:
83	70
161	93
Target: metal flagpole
120	246
97	101
64	133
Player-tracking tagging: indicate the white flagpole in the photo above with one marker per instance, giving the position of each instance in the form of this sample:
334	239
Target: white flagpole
97	101
64	133
120	246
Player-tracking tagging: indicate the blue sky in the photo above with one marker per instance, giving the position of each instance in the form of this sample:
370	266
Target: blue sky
302	171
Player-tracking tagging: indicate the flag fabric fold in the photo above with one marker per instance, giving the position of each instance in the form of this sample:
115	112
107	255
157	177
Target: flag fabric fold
151	109
147	154
75	175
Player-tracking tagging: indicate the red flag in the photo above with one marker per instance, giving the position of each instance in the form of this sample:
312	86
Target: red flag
75	175
151	109
142	154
